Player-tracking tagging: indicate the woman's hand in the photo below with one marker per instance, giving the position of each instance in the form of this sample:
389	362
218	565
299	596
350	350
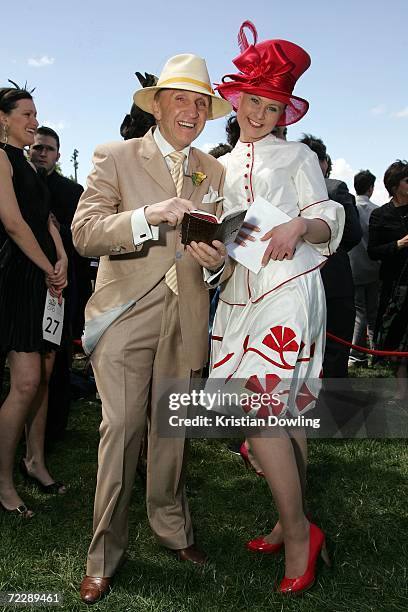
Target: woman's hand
283	239
243	235
55	291
56	280
59	278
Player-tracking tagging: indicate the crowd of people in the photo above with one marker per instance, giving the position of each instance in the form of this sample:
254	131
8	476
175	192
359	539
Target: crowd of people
338	263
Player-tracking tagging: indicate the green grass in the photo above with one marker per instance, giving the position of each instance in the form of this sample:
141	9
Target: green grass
357	493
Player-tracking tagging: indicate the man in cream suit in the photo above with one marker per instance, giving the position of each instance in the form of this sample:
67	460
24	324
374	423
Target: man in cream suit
147	320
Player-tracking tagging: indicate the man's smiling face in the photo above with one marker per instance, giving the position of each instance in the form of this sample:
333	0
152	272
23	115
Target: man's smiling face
181	115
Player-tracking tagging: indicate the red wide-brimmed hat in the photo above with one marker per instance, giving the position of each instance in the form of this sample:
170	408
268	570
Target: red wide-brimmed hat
269	69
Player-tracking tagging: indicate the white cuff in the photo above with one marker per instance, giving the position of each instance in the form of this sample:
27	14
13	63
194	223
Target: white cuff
211	277
141	230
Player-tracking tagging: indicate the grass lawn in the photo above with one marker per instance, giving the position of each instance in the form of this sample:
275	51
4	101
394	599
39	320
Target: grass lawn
357	493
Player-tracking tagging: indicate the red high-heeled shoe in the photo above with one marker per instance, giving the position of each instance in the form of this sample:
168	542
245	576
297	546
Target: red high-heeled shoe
317	544
262	546
243	451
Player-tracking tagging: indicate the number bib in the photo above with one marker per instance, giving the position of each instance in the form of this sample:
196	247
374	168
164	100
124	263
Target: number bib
53	319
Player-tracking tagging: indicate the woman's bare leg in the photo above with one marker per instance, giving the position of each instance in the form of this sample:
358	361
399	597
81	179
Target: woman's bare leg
278	461
299	442
24	382
36	423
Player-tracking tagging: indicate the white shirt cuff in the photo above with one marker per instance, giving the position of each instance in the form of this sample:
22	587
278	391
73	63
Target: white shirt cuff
141	230
211	277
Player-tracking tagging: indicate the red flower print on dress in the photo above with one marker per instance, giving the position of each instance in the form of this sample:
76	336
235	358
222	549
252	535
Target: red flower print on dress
304	398
273	407
281	339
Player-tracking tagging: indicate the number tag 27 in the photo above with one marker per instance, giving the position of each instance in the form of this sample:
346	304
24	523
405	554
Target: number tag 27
53	319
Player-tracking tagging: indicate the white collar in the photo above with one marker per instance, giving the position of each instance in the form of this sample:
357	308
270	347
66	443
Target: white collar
165	147
362	198
259	144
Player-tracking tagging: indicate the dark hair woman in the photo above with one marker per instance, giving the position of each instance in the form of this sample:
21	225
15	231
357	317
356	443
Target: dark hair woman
388	242
32	259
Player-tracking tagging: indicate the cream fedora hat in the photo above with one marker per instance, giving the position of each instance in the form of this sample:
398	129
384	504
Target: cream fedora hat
188	72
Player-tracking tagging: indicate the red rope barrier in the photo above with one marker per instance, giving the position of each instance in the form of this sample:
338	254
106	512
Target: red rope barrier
361	349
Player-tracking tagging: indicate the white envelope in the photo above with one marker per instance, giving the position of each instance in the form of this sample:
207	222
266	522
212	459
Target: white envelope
266	216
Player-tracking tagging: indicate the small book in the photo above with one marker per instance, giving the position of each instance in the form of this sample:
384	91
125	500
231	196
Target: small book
201	226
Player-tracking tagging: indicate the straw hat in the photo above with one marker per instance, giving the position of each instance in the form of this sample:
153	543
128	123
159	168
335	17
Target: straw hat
188	72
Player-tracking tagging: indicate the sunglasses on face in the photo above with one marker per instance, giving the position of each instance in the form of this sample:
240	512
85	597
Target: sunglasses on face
40	147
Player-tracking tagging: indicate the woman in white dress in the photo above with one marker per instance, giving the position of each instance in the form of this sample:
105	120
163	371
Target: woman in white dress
269	330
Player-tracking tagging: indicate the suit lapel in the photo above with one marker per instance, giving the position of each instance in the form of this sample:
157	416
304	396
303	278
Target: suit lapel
154	164
194	165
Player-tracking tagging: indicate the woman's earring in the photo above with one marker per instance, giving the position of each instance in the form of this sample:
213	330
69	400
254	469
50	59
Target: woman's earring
5	133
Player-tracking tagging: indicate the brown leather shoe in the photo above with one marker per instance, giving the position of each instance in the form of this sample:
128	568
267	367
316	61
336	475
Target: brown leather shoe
191	554
93	588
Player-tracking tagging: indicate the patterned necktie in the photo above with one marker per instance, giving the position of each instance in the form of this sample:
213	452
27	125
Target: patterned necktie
177	173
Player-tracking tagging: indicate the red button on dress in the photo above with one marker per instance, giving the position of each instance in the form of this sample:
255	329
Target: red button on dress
246	187
248	155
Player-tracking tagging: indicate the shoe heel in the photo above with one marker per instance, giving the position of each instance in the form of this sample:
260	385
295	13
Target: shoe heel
325	555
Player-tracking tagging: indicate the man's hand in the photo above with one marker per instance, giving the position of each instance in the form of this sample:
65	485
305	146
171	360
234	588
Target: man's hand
170	211
210	257
283	239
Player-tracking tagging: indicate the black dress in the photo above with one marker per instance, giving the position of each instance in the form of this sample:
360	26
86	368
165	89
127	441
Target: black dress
22	283
387	225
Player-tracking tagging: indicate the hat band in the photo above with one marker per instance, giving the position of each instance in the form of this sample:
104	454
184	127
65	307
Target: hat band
187	80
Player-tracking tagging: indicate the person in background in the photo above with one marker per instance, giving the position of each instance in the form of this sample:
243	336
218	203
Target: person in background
221	149
138	122
32	260
365	272
388	242
65	194
336	273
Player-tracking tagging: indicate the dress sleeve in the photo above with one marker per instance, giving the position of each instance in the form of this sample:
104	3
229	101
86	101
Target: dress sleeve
314	203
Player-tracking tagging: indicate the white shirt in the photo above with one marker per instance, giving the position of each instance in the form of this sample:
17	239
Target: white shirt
364	269
142	231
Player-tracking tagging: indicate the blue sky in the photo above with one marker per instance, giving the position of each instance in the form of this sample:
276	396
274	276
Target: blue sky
81	57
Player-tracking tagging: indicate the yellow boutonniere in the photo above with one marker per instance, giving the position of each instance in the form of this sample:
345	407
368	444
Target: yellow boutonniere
198	178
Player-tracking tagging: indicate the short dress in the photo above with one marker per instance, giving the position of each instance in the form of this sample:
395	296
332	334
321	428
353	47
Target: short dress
269	328
22	283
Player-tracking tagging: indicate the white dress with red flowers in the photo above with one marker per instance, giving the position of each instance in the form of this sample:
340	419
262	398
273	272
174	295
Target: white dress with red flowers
269	329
